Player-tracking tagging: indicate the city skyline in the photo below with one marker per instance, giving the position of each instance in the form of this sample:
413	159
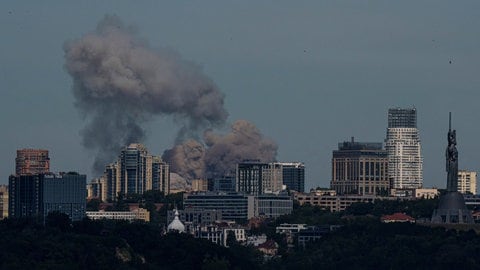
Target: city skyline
312	74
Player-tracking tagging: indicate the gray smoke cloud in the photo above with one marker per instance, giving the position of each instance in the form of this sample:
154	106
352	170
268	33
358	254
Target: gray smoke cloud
221	153
187	159
119	83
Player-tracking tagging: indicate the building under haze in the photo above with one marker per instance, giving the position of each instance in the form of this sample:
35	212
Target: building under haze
293	175
360	168
36	195
467	182
405	162
135	172
32	161
255	177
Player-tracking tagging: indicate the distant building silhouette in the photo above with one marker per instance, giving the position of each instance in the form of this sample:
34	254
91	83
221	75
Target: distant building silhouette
32	161
405	162
360	168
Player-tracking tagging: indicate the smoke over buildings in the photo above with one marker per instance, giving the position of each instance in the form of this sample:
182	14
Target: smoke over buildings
243	142
221	152
120	83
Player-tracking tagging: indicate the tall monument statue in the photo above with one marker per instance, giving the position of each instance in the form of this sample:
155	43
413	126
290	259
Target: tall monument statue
452	158
451	207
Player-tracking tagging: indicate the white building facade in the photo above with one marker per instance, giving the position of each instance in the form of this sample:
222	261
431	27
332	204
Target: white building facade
405	161
467	182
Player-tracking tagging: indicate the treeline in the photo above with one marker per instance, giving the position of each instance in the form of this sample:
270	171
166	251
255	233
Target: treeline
25	244
368	244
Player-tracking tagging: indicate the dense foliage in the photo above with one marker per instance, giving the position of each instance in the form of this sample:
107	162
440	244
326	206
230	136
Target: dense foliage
369	244
361	243
422	208
25	244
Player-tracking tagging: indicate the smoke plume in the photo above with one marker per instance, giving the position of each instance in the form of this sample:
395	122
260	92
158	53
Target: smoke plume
222	152
119	83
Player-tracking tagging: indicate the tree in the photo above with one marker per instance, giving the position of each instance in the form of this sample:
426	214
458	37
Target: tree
58	220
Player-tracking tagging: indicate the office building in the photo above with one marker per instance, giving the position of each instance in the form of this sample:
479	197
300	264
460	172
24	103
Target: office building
36	195
137	214
467	182
336	203
224	183
405	162
255	178
232	206
273	206
24	198
66	193
238	206
135	172
196	216
294	175
32	161
360	168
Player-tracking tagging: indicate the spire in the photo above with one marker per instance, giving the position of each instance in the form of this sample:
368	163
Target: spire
449	121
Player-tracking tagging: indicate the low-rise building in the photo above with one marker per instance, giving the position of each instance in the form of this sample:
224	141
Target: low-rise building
311	234
138	214
196	216
426	193
334	203
397	217
238	206
218	233
286	228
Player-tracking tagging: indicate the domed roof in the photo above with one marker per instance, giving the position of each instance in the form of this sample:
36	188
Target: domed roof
176	224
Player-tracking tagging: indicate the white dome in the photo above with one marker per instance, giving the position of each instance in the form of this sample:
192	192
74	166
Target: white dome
176	224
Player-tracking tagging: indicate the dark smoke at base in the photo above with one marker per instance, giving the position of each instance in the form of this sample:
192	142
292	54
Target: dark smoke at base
192	160
119	83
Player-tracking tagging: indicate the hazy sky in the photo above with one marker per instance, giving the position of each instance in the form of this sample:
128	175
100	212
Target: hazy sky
309	74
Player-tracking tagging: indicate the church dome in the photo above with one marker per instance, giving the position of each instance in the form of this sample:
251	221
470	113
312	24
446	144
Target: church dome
176	224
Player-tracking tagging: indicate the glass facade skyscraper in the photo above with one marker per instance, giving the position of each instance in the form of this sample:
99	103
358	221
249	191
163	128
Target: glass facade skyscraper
36	195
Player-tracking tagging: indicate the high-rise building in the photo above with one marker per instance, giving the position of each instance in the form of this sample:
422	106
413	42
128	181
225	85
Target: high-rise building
294	175
32	161
405	162
135	172
360	168
3	201
467	182
255	178
36	195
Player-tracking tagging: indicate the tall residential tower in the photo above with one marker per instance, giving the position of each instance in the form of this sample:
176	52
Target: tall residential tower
135	172
405	162
32	161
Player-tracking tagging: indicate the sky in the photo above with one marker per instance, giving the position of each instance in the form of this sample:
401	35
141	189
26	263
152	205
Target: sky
308	74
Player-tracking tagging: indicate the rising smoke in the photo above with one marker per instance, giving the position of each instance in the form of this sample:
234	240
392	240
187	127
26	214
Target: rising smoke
193	160
119	83
243	142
